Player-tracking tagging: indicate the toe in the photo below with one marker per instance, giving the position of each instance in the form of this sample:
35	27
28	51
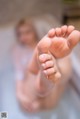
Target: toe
74	38
51	33
70	29
49	71
57	75
64	30
44	57
47	64
58	31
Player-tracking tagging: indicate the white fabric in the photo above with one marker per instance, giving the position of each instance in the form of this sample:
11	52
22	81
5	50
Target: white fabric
26	55
19	75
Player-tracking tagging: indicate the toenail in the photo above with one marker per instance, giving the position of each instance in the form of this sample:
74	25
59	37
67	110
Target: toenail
42	57
45	72
43	65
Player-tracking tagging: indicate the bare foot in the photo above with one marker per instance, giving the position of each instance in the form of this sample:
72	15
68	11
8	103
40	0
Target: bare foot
48	73
48	67
63	40
60	41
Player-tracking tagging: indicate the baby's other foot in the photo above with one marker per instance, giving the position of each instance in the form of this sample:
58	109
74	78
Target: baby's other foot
48	67
63	40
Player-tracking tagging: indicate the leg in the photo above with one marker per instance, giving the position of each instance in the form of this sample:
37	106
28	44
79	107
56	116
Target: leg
59	42
48	73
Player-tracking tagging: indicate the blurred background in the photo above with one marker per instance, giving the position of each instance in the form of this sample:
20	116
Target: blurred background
46	14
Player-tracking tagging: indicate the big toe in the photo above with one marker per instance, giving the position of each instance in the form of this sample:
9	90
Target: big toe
70	29
74	38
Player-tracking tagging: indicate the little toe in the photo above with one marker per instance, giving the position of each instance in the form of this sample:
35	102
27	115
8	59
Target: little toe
57	75
70	29
58	31
44	57
64	30
51	33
